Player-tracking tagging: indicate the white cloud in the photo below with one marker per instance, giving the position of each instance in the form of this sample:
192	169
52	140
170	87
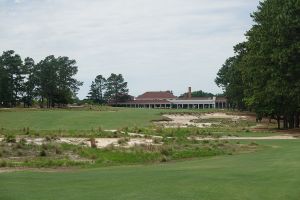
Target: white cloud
157	45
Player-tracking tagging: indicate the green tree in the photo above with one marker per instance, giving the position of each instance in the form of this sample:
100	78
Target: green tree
97	90
199	93
269	68
30	83
116	89
11	78
274	60
55	80
229	78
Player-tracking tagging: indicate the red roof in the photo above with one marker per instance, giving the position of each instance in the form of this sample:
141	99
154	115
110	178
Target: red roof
156	95
147	102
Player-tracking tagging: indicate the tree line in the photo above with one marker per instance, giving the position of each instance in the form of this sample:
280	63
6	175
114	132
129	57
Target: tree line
51	81
111	90
201	93
264	73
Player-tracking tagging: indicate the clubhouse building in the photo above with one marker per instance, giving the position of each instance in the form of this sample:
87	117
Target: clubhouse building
166	100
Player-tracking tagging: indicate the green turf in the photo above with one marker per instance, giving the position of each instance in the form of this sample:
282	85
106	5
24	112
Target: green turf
77	120
80	119
269	174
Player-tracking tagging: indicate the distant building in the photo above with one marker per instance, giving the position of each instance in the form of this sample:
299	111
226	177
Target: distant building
161	95
166	99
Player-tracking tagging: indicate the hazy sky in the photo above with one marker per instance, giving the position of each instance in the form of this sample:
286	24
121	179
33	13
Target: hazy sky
156	44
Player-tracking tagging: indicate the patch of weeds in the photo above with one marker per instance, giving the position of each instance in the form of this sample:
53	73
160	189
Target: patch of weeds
58	151
19	153
253	144
23	141
166	150
9	138
157	140
45	146
3	163
48	138
123	141
43	153
164	159
205	141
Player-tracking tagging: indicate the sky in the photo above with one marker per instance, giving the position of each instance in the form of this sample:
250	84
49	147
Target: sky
157	45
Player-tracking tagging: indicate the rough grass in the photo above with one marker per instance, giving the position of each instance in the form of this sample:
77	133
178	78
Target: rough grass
269	174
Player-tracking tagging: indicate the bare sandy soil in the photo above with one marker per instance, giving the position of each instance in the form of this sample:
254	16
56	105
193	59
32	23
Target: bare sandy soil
182	121
100	142
186	120
104	142
222	115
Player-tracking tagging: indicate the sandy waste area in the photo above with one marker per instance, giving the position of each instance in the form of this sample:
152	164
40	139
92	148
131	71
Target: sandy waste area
187	120
100	142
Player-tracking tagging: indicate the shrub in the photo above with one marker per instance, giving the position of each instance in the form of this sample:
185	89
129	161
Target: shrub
3	163
157	140
166	151
27	131
19	145
164	159
10	138
43	153
58	151
45	146
20	153
22	141
48	138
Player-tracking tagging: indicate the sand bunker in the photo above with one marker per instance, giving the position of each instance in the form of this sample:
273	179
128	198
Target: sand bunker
222	116
182	121
188	120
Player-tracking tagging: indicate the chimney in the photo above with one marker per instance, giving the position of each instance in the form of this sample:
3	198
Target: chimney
190	93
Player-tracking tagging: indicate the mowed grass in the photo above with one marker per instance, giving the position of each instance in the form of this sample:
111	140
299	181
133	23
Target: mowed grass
77	120
269	174
80	120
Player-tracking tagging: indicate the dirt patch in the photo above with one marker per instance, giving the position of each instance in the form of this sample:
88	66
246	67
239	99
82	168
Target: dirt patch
188	120
100	142
182	121
222	116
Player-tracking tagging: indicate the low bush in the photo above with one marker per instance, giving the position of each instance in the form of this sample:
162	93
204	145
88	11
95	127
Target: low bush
43	153
3	163
9	138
